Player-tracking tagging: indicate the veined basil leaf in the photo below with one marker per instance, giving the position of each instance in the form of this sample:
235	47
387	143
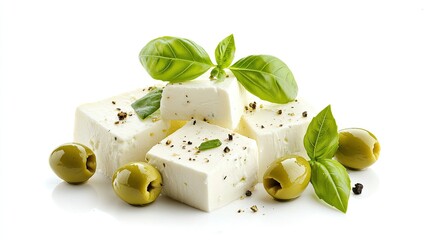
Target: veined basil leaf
331	182
266	77
214	143
218	73
321	138
174	59
225	51
148	104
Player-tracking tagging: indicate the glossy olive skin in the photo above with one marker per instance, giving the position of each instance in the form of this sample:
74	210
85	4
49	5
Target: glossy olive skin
358	148
137	183
287	177
73	162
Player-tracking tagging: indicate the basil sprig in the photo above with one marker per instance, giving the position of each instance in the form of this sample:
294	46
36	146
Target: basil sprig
329	178
175	59
148	104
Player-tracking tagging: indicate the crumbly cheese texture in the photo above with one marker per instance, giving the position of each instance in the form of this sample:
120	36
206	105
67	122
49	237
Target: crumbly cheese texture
207	179
278	129
115	133
216	102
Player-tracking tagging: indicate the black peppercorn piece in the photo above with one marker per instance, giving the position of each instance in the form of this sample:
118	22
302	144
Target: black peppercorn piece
357	189
248	193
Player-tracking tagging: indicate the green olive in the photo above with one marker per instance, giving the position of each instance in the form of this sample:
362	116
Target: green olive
358	148
73	162
137	183
287	177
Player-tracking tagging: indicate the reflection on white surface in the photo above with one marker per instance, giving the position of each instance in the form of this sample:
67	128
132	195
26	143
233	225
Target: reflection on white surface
97	197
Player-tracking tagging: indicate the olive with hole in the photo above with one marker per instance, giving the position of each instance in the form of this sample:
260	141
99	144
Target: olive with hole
357	149
137	183
75	163
287	177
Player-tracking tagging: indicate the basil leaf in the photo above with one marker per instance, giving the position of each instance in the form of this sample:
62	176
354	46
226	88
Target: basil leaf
174	59
214	143
331	182
148	104
218	73
266	77
321	138
225	51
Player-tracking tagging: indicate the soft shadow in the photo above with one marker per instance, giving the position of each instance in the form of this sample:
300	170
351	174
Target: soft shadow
75	198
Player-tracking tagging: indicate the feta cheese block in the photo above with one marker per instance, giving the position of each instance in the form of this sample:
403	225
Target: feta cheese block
216	102
206	179
115	133
278	129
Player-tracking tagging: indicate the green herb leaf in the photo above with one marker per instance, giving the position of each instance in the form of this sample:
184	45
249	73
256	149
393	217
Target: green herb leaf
214	143
225	51
148	104
218	73
267	77
174	59
331	182
321	138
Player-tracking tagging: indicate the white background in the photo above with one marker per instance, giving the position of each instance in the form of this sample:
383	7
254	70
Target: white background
369	59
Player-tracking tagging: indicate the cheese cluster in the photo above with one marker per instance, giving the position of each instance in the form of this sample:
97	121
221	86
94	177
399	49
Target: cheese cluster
253	133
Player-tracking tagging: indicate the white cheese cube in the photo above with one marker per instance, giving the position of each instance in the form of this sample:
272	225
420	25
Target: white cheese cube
116	142
216	102
207	179
278	129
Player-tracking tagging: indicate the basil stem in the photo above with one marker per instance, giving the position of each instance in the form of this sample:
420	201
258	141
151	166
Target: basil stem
214	143
148	104
218	73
